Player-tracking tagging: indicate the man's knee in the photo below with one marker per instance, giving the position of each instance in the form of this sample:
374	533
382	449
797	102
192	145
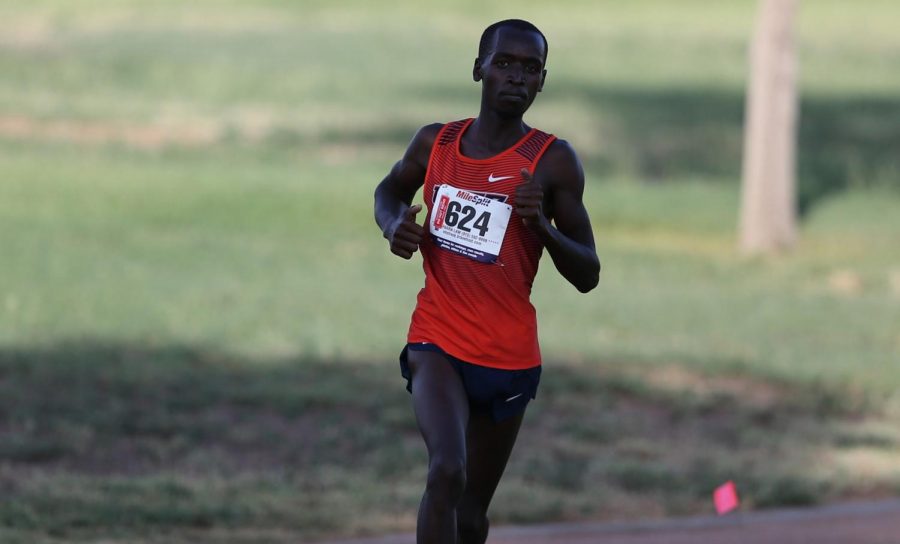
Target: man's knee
447	476
472	527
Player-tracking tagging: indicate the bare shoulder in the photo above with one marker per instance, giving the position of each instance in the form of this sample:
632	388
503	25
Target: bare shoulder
560	166
428	133
431	129
561	150
408	174
420	147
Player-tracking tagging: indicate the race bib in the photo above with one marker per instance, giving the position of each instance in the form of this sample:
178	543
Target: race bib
469	224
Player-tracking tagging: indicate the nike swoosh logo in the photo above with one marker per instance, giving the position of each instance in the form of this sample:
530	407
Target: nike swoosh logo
517	396
492	179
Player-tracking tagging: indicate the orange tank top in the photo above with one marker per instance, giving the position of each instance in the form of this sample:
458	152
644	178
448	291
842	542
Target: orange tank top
476	301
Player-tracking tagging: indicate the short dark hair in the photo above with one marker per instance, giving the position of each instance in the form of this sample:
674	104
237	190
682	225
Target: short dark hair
487	37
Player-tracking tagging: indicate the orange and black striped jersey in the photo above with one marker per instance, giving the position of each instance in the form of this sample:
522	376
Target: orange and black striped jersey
476	301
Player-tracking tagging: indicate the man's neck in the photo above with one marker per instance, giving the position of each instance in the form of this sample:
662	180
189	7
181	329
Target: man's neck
496	133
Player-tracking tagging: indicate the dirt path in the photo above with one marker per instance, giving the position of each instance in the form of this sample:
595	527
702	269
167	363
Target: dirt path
852	523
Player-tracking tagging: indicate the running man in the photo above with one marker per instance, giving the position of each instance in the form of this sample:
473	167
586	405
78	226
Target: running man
498	192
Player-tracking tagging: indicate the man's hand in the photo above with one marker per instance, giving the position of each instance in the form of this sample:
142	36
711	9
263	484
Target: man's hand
530	200
405	234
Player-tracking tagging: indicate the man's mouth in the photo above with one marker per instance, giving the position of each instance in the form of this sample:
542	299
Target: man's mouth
511	95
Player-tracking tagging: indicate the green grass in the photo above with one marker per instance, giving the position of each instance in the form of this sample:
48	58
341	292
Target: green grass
199	320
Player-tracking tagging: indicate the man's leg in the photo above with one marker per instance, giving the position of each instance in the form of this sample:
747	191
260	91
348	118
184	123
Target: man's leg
489	446
442	412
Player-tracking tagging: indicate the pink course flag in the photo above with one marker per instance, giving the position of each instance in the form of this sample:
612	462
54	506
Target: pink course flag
726	498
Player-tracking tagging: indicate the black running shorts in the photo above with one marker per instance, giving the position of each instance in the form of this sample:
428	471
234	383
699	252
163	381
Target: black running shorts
502	393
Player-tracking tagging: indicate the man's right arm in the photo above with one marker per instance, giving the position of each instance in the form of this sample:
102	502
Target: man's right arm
393	196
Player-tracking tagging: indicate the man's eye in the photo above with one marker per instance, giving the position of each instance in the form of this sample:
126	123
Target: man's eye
502	63
533	68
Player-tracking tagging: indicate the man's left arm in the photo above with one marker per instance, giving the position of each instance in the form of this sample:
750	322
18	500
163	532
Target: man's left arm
555	192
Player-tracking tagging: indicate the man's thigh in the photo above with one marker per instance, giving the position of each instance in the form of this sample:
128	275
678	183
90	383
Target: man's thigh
489	444
440	403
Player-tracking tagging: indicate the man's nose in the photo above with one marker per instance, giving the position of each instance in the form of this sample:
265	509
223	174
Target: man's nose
517	75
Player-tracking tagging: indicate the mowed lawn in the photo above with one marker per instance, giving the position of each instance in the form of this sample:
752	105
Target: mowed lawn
199	320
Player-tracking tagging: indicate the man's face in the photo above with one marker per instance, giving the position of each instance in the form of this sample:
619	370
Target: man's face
512	73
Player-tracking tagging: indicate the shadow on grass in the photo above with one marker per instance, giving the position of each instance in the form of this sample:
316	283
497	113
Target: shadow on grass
76	403
101	437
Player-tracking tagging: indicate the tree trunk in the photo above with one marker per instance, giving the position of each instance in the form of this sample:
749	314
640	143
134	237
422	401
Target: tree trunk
768	202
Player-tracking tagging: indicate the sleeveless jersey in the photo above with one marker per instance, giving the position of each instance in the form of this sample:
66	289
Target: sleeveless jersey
476	301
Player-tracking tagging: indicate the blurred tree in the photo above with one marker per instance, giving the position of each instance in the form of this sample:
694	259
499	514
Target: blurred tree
768	201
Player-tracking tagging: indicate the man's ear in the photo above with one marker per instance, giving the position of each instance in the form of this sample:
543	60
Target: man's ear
543	78
476	70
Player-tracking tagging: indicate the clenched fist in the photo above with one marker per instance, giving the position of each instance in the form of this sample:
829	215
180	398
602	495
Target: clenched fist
405	234
530	200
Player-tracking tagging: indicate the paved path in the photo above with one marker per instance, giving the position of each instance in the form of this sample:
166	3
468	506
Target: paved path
852	523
